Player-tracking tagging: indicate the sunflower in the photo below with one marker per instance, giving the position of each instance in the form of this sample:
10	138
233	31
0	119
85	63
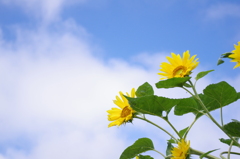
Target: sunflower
236	55
125	113
177	66
181	151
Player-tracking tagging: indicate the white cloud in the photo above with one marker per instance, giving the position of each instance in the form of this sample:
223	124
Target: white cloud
46	10
54	93
223	10
152	61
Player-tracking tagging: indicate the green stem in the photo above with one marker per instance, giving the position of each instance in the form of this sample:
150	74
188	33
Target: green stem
209	115
234	153
222	157
215	122
172	127
185	135
199	153
159	153
168	156
221	115
156	126
229	150
188	91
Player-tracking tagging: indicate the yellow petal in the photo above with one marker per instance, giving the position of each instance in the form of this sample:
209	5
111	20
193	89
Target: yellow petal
178	66
125	113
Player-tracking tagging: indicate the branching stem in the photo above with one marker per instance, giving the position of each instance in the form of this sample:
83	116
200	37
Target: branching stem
226	152
209	115
221	115
185	135
156	126
159	153
229	150
199	153
172	127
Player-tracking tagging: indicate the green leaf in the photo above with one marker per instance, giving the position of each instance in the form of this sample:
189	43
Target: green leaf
222	93
190	105
140	146
153	105
187	105
169	148
226	55
202	74
215	96
172	141
187	85
210	103
205	154
145	157
172	82
235	120
228	141
232	128
220	61
144	90
182	132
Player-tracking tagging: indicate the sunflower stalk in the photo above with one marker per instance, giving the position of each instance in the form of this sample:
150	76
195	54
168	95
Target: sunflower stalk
170	124
199	153
221	115
209	115
177	72
159	153
227	152
189	128
145	119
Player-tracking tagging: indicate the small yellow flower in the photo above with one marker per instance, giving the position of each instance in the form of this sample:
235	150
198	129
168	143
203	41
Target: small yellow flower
137	157
177	66
181	151
236	55
125	113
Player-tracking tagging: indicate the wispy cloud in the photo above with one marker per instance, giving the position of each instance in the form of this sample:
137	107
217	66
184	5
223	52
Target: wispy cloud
223	10
43	10
54	92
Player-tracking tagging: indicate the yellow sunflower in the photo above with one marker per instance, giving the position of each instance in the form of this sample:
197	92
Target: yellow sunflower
125	113
236	55
181	151
177	66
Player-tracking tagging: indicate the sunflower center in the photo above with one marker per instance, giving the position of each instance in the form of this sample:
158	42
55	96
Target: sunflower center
125	112
179	71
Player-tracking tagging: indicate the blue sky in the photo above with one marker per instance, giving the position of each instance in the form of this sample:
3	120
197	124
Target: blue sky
63	62
123	29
